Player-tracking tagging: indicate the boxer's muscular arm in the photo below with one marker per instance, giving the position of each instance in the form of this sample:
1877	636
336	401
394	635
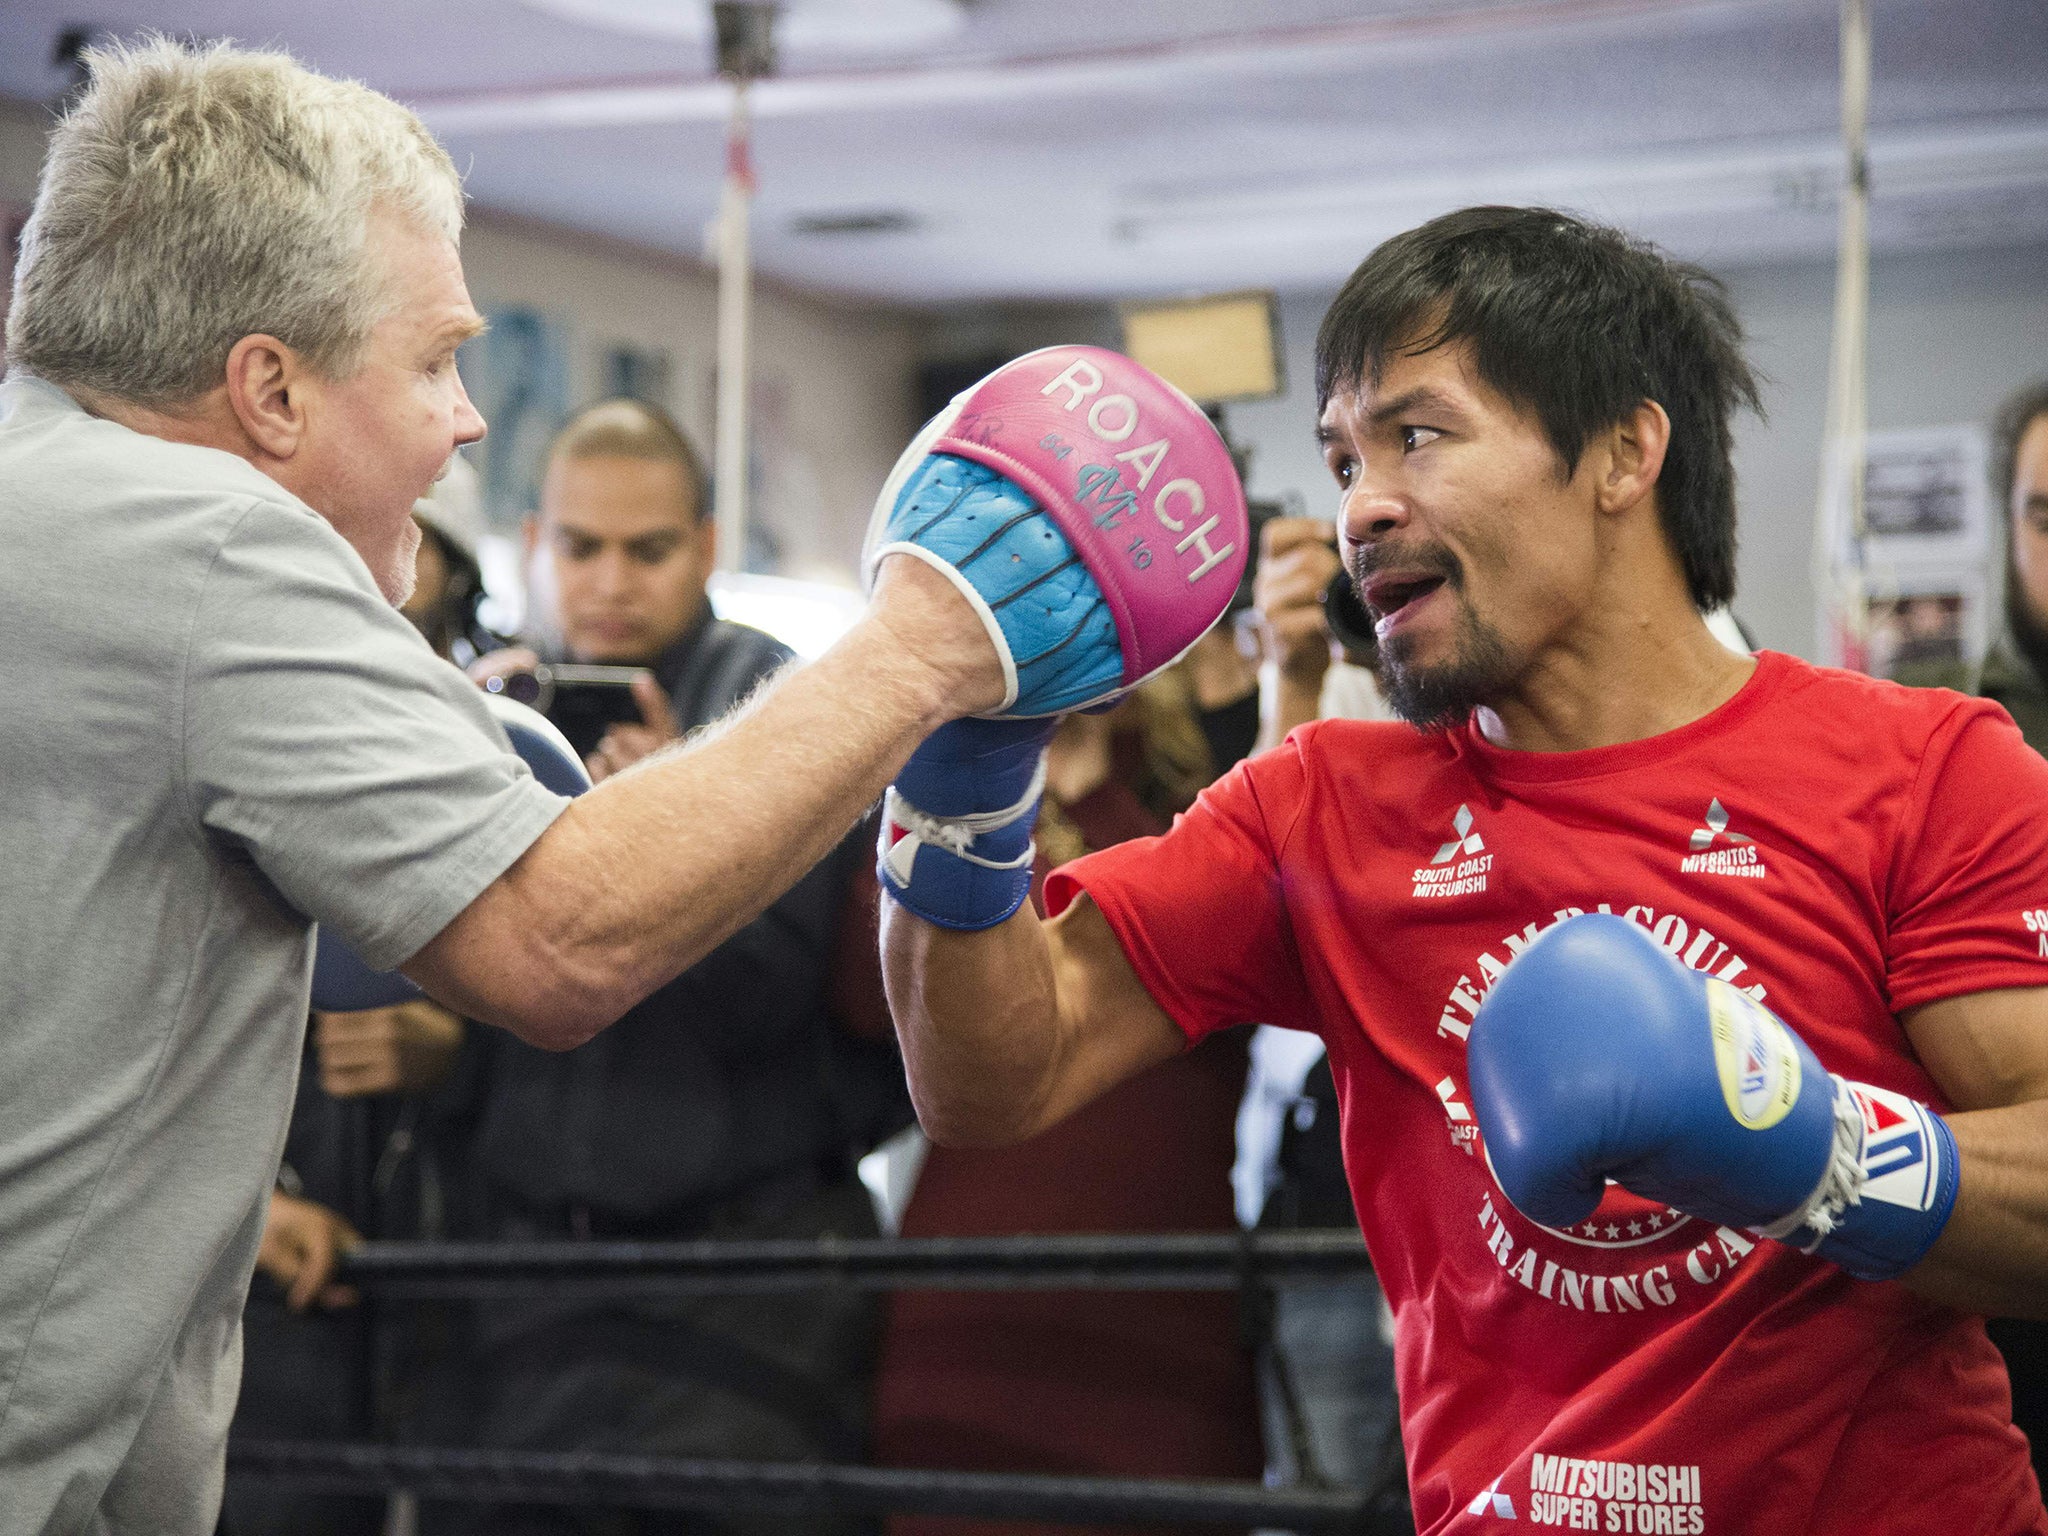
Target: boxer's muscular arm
650	871
1009	1029
1989	1053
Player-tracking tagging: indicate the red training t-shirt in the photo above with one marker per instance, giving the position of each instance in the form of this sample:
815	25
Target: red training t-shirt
1844	849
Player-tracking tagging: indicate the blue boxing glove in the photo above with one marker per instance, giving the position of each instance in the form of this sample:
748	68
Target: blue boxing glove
956	843
1598	1056
342	980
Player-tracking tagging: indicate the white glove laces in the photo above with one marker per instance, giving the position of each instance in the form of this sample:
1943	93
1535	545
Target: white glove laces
956	834
1841	1182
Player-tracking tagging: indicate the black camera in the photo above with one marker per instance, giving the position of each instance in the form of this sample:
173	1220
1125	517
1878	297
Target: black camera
583	702
1257	514
1349	622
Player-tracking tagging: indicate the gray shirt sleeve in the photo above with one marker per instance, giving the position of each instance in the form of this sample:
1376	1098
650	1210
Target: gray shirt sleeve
323	739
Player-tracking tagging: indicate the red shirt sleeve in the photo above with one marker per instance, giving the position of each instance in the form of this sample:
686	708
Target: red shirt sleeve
1200	912
1967	904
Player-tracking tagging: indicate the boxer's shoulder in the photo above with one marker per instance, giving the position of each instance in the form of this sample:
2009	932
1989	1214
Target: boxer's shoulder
1359	752
1369	767
1888	719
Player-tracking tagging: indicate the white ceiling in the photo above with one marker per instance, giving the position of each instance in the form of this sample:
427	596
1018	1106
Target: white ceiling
1082	149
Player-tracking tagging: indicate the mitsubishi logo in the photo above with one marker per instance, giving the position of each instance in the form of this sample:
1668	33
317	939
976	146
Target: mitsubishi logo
1468	841
1493	1502
1716	827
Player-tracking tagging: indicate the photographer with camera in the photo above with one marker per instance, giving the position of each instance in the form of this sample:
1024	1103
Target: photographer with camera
727	1104
1326	1383
1321	658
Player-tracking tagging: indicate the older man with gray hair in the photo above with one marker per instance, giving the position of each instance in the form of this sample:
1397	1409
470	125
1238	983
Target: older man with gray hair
233	343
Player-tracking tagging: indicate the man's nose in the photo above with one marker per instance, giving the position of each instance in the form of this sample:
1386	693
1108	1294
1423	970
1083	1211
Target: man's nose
613	572
469	421
1371	511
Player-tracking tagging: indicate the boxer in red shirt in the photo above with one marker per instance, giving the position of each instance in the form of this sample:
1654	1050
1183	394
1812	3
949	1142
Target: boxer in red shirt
1750	1296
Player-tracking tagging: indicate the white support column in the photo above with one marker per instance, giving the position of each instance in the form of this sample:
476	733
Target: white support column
735	303
1842	581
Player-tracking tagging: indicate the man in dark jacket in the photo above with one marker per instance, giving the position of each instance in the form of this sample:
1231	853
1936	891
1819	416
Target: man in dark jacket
728	1104
2015	673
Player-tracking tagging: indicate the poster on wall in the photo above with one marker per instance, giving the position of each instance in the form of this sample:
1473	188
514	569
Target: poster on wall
517	372
634	373
1925	557
1925	500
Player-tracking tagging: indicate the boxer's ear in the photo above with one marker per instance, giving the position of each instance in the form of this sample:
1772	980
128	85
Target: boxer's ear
1629	456
263	381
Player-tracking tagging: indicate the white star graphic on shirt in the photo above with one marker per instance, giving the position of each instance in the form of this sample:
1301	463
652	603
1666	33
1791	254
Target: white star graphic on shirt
1613	1231
1635	1229
1592	1229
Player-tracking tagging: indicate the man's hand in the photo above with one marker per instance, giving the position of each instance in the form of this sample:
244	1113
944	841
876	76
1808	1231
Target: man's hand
1089	572
406	1049
303	1241
513	658
625	745
932	623
1297	561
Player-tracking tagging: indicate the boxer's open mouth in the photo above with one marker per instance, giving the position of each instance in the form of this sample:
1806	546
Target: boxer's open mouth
1386	595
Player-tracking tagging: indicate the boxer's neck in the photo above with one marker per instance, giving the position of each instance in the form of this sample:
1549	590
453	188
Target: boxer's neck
1638	661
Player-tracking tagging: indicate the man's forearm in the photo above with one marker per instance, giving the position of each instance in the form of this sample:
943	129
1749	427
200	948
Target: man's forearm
977	1015
646	874
1992	1257
1008	1030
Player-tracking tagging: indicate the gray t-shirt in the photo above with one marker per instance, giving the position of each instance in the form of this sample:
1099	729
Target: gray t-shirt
213	732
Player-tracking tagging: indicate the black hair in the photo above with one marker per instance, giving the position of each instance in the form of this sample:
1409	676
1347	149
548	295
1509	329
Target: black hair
1579	324
624	427
455	628
2018	412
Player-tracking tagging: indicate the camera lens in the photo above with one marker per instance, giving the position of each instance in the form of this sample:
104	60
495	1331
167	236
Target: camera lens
1349	621
528	688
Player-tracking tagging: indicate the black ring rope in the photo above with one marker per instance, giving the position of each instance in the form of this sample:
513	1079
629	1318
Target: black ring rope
1203	1261
1121	1261
654	1482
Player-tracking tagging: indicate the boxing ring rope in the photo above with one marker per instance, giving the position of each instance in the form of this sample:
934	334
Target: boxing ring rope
655	1482
1204	1261
416	1271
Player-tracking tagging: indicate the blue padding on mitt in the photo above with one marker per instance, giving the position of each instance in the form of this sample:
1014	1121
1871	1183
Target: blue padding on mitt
1060	631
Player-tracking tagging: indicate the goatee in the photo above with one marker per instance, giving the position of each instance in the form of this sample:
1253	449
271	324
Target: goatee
1441	697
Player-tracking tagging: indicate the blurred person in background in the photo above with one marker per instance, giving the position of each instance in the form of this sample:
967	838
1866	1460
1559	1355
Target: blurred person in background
2015	669
1106	1383
448	587
729	1104
1308	672
1326	1375
2015	673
